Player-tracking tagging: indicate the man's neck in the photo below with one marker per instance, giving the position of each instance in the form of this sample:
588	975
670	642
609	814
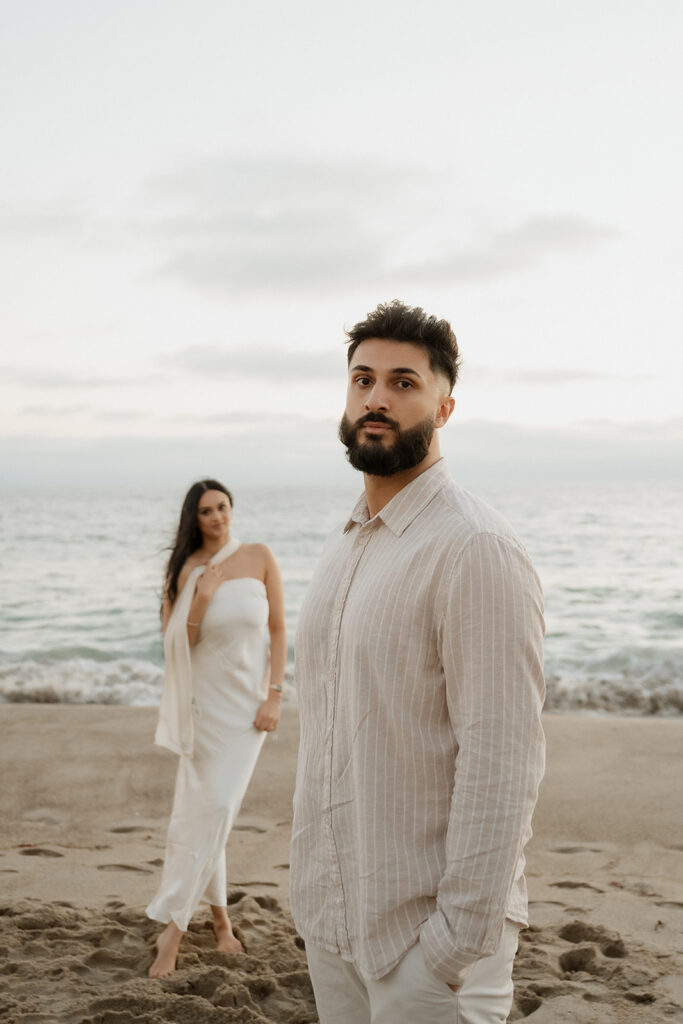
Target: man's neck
379	490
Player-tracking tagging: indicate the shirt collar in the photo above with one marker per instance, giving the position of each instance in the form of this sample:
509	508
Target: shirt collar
405	506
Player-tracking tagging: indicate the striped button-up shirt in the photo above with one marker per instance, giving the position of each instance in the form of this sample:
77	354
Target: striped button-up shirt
420	683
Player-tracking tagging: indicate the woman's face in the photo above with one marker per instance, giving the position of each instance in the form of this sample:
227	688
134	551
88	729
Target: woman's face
213	515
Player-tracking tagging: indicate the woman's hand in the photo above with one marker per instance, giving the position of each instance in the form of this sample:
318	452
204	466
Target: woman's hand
209	582
268	715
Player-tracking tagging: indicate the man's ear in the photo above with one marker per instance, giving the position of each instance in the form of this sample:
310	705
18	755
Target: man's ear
444	410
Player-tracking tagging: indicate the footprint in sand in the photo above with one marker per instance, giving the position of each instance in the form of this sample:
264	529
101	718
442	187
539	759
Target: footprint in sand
129	828
108	958
611	945
267	902
638	889
39	851
585	958
249	828
597	968
122	867
575	885
527	1002
249	885
576	849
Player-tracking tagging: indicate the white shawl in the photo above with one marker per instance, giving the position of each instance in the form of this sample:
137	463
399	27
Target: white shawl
175	728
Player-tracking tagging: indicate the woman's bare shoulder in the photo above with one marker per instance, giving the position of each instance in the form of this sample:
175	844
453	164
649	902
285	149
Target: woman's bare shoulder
260	553
258	560
256	549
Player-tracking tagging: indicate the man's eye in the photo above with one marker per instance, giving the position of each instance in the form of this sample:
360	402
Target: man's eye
363	381
404	384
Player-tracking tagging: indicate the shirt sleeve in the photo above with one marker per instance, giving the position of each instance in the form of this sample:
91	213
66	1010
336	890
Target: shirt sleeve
491	645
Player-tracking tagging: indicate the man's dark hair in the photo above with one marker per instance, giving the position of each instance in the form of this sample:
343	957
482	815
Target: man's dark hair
394	321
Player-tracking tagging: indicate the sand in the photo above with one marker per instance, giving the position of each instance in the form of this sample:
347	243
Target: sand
85	798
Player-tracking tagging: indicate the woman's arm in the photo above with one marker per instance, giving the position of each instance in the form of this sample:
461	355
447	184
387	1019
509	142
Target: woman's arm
268	714
207	584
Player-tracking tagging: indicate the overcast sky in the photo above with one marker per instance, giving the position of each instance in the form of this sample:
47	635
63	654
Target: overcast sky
198	197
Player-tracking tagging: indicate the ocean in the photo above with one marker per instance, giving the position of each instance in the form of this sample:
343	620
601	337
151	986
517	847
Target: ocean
81	578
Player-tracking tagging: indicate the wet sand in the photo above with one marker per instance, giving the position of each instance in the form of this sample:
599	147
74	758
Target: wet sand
85	799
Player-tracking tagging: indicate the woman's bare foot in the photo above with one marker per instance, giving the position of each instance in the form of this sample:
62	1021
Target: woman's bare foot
222	927
167	944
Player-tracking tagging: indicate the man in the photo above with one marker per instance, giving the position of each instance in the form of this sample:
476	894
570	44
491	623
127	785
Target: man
420	682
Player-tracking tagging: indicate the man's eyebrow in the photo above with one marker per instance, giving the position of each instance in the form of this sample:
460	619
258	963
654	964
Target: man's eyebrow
406	370
398	370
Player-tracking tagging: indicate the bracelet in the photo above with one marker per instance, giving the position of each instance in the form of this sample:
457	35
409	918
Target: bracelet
193	623
278	689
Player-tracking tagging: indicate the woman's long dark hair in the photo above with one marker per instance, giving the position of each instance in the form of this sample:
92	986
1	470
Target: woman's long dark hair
189	537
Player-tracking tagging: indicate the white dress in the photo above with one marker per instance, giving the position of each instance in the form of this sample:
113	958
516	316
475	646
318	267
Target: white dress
228	676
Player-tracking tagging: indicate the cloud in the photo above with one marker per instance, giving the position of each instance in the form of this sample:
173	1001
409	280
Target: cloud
552	377
304	452
104	415
509	251
52	410
259	423
269	364
52	379
262	363
278	225
236	419
233	193
119	415
273	225
555	234
61	218
497	451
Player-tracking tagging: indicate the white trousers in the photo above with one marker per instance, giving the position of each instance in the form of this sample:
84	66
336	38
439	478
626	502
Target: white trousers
410	992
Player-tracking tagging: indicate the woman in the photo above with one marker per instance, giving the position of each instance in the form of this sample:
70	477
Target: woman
221	696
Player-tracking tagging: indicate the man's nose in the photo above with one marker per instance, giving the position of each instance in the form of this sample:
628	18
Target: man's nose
377	397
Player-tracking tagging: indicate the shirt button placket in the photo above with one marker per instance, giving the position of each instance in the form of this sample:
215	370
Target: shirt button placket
339	909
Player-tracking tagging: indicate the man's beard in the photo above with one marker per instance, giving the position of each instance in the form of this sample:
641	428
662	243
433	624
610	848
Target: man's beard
372	456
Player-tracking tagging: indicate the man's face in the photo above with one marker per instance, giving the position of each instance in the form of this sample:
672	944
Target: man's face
394	402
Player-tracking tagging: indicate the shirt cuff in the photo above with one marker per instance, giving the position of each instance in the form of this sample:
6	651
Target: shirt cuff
444	960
